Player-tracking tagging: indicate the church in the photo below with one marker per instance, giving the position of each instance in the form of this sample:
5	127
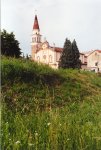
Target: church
43	52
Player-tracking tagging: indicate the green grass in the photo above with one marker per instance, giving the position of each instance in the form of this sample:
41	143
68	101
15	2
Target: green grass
46	109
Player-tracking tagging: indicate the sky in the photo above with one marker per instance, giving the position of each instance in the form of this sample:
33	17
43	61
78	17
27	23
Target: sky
58	20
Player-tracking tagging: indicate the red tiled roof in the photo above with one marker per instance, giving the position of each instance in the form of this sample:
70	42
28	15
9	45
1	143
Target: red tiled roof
58	49
98	51
36	25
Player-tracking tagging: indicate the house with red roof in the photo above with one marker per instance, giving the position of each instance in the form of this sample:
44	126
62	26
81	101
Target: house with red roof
94	61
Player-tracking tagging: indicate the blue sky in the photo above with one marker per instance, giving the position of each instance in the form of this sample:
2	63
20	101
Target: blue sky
58	19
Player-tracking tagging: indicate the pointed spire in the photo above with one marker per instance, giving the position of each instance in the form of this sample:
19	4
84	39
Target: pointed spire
36	24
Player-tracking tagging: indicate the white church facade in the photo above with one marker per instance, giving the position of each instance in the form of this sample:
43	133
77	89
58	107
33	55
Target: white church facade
42	51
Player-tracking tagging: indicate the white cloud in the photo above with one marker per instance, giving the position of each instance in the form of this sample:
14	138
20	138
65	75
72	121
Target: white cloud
58	19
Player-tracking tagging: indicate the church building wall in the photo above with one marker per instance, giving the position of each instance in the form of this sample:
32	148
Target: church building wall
47	56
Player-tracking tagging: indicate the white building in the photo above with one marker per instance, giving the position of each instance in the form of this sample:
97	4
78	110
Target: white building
83	59
94	61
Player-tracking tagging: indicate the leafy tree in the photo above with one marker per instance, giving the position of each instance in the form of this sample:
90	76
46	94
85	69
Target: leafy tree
66	59
77	61
9	45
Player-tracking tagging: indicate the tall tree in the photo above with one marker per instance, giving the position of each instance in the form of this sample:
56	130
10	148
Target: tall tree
77	61
9	45
66	59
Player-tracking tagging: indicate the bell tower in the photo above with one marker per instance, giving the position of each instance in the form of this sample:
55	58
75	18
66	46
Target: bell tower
36	37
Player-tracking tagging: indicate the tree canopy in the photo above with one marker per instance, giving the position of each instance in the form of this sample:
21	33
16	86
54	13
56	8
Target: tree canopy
77	61
70	55
9	45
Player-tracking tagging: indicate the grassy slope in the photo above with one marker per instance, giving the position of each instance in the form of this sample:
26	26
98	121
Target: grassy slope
49	109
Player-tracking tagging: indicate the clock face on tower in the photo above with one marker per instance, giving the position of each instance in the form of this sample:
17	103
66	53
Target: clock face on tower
44	46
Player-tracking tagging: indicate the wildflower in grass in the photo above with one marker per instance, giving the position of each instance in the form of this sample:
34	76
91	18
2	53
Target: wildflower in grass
89	123
30	144
87	133
36	134
17	142
68	139
48	123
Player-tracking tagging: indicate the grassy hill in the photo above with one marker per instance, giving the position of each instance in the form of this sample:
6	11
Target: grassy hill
46	109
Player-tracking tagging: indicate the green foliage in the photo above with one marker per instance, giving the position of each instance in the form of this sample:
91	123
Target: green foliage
70	56
9	45
44	108
77	62
76	126
25	82
66	59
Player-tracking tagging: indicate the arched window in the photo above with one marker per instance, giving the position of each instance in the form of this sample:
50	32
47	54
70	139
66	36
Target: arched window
35	39
50	58
38	59
95	54
39	39
44	56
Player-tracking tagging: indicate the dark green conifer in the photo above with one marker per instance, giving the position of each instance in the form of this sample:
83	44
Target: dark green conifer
66	59
70	56
77	61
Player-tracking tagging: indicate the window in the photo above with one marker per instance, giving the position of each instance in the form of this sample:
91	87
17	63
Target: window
39	39
96	64
50	58
44	56
95	54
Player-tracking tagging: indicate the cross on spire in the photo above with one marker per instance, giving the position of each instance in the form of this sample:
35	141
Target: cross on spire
35	11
